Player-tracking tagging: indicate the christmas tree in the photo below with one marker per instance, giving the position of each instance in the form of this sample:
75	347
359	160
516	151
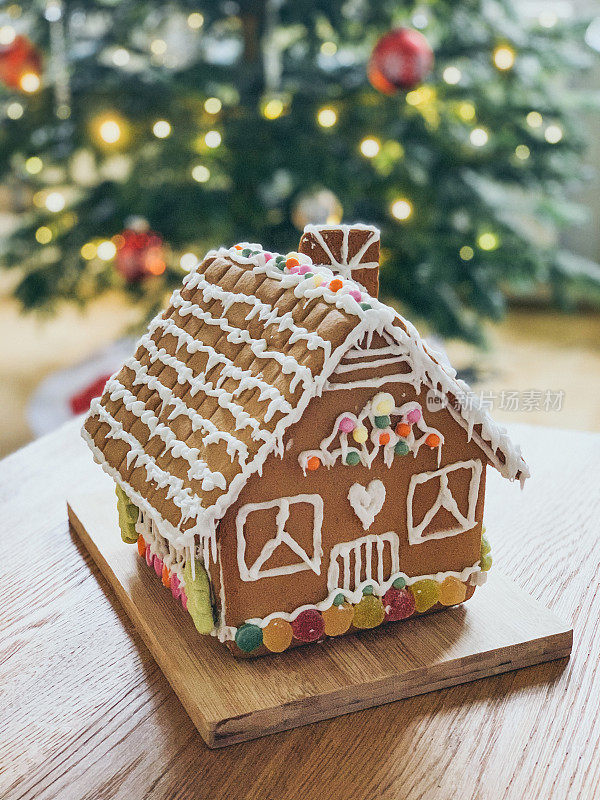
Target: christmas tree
136	135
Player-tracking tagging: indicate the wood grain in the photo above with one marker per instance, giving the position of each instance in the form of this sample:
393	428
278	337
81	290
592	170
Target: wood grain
86	714
230	701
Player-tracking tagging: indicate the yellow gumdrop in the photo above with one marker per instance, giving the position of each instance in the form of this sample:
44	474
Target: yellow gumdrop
317	280
128	514
452	591
277	635
383	403
369	613
360	434
197	589
426	594
338	619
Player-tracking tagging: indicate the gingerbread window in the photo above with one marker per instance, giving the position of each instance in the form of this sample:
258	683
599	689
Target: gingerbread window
442	502
296	546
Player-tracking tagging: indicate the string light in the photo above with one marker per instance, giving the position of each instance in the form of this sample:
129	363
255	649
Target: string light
53	11
452	75
487	241
55	202
110	131
466	253
327	117
272	109
401	209
369	147
34	165
329	48
420	96
466	111
7	35
30	82
200	173
120	57
479	137
548	19
158	47
504	57
161	129
106	250
212	105
553	134
534	119
88	251
43	235
195	20
14	110
522	152
212	139
188	261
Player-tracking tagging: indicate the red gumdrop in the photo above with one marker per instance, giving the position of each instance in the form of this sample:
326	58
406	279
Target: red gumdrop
158	565
308	626
398	604
149	556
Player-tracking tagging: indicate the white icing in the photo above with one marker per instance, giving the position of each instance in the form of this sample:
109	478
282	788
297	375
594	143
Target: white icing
283	504
356	550
418	532
345	264
367	501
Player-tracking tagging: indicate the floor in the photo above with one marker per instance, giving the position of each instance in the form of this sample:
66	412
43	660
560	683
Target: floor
542	367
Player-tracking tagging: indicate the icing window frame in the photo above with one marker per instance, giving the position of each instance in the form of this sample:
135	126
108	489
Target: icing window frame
255	571
417	533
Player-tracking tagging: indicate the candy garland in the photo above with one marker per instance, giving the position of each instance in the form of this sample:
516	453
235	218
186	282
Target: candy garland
397	438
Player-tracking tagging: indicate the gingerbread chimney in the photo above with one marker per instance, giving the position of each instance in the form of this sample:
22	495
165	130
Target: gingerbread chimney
351	250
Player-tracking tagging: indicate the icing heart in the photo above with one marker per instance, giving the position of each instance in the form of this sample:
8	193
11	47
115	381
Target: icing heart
367	501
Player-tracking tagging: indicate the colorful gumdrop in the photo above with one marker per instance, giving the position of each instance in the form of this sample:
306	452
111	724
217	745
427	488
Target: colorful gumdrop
338	618
486	563
158	565
197	590
398	604
369	612
128	515
452	591
383	403
175	586
149	556
166	576
426	594
248	637
277	635
486	548
141	546
308	626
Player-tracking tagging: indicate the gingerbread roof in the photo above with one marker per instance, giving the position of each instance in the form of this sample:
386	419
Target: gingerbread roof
220	376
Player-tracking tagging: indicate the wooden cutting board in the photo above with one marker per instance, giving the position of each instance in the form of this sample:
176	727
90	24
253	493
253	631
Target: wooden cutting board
500	629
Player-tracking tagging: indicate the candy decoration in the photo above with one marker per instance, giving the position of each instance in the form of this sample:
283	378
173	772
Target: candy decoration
318	280
401	59
432	440
149	556
401	448
166	576
197	589
128	515
426	594
383	404
399	583
336	284
402	429
384	438
365	306
369	613
414	415
248	637
337	619
352	459
184	599
452	591
486	548
339	599
486	563
355	294
158	566
382	421
308	626
175	587
313	463
291	261
360	434
347	424
277	635
398	603
367	590
141	546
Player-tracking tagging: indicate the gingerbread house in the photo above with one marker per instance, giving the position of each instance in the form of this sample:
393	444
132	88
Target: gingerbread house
291	458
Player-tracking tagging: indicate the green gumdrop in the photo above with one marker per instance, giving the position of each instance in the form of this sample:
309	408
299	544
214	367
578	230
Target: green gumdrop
486	563
485	546
248	637
365	306
197	590
382	422
401	448
368	590
399	583
352	459
128	515
339	599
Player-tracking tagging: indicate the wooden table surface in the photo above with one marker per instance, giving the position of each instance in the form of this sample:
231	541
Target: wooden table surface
85	713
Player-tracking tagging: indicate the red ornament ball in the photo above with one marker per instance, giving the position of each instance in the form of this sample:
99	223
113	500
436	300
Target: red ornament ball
308	626
401	59
17	59
398	604
140	254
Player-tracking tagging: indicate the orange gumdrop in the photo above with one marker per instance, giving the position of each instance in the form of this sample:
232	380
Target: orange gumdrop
141	546
403	429
384	438
432	440
166	576
313	463
277	635
338	619
292	261
336	284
